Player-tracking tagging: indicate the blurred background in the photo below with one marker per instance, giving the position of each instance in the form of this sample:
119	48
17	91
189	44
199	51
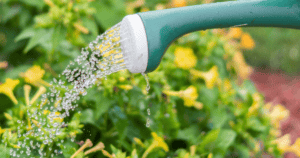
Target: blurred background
26	27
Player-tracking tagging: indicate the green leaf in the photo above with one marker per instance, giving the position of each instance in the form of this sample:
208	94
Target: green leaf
108	14
118	152
15	72
210	137
157	90
87	116
35	3
11	46
40	36
24	19
248	84
80	155
10	12
26	33
68	148
220	62
67	49
208	97
137	128
102	103
189	134
58	36
113	149
218	117
254	124
135	96
103	107
225	139
119	119
243	151
90	25
43	20
4	151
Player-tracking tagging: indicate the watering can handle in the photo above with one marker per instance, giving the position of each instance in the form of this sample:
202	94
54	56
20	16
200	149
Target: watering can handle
164	26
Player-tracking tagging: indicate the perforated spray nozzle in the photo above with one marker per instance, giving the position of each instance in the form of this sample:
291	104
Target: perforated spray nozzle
134	43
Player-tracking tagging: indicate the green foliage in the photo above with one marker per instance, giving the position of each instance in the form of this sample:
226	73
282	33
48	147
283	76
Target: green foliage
50	33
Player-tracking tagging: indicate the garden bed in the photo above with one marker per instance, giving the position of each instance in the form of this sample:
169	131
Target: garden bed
279	88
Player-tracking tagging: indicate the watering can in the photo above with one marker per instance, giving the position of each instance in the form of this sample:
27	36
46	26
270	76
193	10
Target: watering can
149	34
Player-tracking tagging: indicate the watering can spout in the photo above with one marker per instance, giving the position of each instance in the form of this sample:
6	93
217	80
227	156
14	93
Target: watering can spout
162	27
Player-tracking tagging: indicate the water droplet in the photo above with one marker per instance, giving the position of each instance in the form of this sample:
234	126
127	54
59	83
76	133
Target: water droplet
147	81
148	122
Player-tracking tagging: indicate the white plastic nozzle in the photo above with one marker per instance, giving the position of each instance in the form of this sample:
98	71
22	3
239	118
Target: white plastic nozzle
134	43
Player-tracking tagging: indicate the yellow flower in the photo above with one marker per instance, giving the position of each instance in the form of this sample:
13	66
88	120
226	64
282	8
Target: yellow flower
255	105
99	146
2	130
158	142
275	132
7	116
187	155
210	77
81	28
125	87
159	7
210	155
240	65
207	1
49	3
16	146
189	96
193	150
178	3
122	79
41	91
144	9
283	143
235	32
295	148
45	112
268	106
278	114
139	142
88	143
27	89
185	58
107	154
247	42
8	87
133	154
227	85
57	117
34	76
257	147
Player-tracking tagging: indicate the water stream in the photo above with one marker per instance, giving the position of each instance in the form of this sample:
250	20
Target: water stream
101	58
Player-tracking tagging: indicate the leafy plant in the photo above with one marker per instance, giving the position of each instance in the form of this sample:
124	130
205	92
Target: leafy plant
200	103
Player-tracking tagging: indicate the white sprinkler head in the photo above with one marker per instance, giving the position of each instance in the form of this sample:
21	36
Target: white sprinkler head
134	43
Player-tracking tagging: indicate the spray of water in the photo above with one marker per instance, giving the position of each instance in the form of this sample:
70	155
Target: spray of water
101	58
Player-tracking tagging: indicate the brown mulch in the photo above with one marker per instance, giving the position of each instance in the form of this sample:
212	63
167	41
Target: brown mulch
279	88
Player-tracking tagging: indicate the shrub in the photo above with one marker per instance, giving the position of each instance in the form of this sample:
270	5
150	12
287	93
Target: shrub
200	103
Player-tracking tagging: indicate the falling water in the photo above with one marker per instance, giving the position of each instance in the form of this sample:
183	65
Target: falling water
147	81
148	109
101	58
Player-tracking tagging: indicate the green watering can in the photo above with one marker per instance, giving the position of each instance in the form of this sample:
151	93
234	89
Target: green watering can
146	36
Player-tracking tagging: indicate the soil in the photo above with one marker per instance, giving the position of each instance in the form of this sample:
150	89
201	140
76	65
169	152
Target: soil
280	88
